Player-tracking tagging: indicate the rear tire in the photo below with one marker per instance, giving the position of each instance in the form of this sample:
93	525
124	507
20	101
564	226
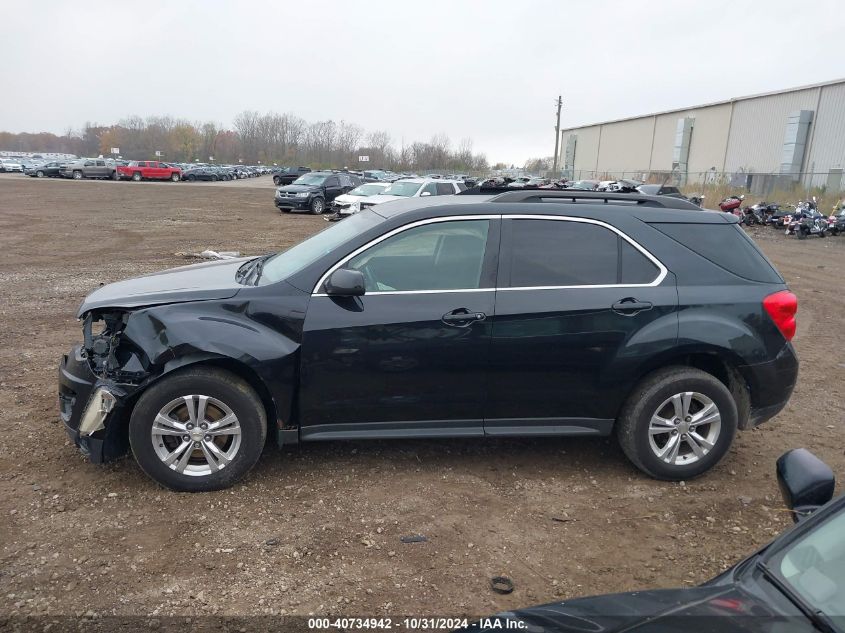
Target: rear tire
228	397
136	176
39	174
77	175
652	407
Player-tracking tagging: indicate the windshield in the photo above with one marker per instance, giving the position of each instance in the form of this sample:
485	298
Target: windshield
814	565
284	264
370	189
310	179
405	189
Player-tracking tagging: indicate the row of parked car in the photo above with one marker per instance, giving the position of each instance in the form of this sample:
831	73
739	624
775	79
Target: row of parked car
105	168
346	193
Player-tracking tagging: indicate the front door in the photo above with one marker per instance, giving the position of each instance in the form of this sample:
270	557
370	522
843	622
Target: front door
578	311
409	357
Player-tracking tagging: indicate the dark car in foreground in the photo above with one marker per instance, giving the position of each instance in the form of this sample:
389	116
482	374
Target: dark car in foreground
314	192
531	313
796	583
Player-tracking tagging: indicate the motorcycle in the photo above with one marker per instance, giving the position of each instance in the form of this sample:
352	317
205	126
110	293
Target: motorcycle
731	204
836	222
807	221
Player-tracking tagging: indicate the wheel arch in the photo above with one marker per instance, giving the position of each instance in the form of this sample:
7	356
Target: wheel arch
718	362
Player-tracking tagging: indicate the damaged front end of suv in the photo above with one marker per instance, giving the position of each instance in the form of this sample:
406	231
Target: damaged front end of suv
97	382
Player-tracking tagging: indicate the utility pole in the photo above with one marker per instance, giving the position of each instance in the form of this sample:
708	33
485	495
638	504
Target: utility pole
557	134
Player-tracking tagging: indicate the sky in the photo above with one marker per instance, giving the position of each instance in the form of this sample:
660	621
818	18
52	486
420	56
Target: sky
486	70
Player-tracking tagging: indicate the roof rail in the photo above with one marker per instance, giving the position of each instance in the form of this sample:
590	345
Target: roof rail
566	195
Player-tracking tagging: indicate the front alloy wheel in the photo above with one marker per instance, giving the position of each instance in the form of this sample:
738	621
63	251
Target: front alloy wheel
317	206
198	429
196	435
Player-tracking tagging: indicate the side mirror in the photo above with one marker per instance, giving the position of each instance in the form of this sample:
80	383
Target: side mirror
425	193
345	283
806	482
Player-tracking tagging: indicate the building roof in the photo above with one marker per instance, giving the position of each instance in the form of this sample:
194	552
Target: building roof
707	105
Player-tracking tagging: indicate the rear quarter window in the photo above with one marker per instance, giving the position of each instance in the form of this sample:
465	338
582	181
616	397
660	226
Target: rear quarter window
725	245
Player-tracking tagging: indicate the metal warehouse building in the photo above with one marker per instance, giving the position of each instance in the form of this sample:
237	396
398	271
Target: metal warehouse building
777	139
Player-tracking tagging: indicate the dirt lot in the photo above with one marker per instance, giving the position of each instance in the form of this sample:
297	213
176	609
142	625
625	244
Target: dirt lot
316	529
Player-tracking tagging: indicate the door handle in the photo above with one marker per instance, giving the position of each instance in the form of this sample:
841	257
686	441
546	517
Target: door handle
630	306
461	317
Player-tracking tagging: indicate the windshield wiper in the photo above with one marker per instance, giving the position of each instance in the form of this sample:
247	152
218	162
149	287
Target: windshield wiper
818	617
253	274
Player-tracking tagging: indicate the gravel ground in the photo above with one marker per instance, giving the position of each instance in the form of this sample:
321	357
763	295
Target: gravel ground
316	528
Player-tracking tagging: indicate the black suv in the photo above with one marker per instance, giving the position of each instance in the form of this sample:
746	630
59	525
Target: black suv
315	191
287	175
531	313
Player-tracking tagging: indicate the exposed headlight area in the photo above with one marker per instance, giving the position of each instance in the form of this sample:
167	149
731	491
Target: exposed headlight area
106	349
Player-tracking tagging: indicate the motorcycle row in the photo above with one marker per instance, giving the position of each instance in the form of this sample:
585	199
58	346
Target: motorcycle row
802	220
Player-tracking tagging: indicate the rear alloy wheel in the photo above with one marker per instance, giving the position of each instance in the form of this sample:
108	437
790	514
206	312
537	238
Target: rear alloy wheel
678	423
136	176
200	429
39	174
317	206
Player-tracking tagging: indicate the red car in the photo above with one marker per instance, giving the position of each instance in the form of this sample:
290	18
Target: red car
149	170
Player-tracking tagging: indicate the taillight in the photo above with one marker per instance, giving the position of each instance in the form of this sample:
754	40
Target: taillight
781	307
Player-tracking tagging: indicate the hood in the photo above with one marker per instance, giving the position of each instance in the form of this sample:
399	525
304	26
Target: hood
369	200
347	199
641	611
298	188
208	280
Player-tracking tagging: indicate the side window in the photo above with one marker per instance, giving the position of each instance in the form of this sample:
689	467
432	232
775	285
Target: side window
635	267
430	189
345	181
562	253
445	189
88	163
332	181
101	163
438	256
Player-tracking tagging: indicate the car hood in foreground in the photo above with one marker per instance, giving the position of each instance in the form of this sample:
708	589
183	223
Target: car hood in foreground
208	280
725	608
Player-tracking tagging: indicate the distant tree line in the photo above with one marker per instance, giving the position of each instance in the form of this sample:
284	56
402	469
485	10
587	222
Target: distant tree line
285	139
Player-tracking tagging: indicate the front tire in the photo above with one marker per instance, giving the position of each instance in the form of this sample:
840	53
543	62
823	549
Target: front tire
318	205
174	178
277	181
678	423
39	174
77	175
136	176
197	430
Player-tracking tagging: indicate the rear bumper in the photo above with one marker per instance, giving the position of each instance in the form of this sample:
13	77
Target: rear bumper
77	384
771	385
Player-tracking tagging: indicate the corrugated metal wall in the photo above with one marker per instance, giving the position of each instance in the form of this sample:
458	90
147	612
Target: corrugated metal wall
758	126
709	138
746	134
626	145
827	148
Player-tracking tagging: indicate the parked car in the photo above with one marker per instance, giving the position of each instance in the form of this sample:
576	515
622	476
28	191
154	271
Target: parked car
286	175
415	188
46	170
149	170
795	583
90	168
583	185
314	192
419	321
201	173
342	203
661	190
10	165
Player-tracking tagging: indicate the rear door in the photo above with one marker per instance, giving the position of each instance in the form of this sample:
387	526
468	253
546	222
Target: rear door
579	308
332	188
